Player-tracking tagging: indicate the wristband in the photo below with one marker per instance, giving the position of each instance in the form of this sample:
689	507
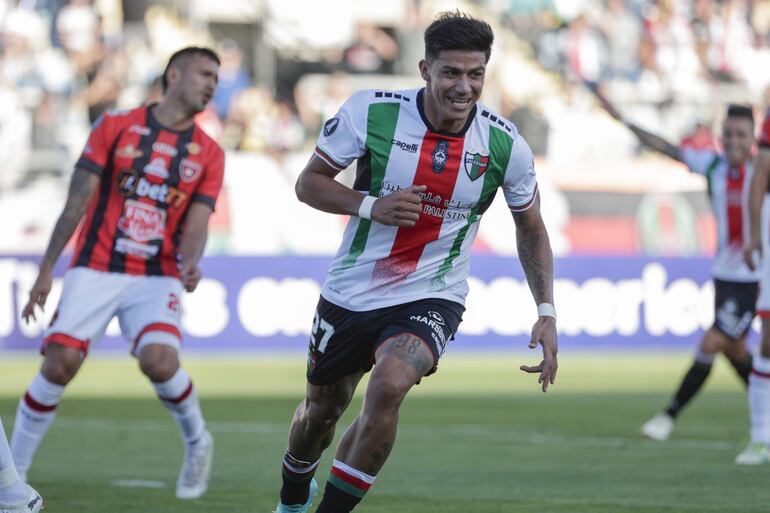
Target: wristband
546	310
365	210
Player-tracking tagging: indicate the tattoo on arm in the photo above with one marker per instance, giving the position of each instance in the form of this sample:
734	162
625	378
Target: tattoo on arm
81	188
535	256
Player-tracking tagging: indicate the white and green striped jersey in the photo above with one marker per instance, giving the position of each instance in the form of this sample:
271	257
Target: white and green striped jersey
396	147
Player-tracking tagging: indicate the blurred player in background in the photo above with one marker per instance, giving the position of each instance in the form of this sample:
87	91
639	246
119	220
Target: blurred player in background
429	164
756	453
15	495
147	182
728	175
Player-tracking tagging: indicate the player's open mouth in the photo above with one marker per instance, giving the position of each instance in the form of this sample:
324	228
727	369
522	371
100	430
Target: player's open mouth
459	101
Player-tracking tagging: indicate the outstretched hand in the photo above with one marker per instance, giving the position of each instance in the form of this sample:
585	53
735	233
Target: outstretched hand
37	296
544	333
402	208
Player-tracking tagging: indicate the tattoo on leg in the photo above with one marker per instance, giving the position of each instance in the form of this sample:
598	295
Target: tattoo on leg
330	391
410	353
378	458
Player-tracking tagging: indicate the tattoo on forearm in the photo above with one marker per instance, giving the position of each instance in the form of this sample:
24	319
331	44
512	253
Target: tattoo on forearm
77	201
537	262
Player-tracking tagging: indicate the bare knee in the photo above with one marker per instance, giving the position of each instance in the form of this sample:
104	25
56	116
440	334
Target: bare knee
321	416
158	362
61	364
714	341
736	352
386	393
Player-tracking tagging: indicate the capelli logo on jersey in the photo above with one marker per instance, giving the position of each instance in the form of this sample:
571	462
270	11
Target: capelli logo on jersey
409	148
164	148
440	156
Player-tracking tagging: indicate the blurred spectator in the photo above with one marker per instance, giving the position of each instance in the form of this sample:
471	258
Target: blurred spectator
583	50
623	33
232	77
373	51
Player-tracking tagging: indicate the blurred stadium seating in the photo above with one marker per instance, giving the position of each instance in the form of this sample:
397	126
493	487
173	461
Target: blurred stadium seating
671	65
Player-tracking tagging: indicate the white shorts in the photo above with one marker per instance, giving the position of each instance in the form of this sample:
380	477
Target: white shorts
148	308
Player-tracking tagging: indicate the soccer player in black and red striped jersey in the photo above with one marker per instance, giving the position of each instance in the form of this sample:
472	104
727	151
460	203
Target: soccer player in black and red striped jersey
147	182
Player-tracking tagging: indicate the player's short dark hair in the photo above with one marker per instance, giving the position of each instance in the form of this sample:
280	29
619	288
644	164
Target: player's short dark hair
740	111
180	56
455	30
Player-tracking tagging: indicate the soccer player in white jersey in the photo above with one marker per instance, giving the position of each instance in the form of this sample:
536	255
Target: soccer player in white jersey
15	495
758	452
735	285
429	162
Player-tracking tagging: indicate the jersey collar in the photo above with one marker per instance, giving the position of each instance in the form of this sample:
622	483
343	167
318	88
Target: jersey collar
421	110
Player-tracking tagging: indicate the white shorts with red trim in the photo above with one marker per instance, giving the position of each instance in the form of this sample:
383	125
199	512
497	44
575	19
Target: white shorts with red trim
148	309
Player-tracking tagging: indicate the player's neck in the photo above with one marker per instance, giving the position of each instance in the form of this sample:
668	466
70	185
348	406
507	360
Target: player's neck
438	121
173	116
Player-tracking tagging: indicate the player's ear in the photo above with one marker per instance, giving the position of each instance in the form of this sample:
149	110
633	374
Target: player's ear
174	75
424	70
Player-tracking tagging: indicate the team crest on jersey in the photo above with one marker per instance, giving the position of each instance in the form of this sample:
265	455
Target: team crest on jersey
331	126
475	164
189	171
440	156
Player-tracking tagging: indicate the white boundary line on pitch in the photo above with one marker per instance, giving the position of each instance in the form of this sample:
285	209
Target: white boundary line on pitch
476	431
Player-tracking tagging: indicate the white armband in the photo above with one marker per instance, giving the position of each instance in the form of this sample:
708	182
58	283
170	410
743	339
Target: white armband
365	210
546	310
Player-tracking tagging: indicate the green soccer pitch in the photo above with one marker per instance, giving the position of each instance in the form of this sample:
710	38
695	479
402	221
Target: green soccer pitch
478	437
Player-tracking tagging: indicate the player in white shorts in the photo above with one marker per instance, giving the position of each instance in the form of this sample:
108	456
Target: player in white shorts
758	450
147	183
728	175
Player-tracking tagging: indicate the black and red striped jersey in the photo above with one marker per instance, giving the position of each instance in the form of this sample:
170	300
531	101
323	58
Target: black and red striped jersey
149	176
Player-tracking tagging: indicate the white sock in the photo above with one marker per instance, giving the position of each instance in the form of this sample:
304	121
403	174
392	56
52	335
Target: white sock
34	416
179	397
759	400
12	489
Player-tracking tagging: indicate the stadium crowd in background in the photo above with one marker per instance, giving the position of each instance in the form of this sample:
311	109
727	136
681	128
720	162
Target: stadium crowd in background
64	62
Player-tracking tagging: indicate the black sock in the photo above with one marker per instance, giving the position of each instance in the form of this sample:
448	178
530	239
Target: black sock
296	480
743	368
691	383
337	501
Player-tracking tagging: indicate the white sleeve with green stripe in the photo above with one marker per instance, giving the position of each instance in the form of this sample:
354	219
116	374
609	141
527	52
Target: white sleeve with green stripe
698	161
520	182
342	137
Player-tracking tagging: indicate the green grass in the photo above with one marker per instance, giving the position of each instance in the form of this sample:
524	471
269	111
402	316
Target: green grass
478	437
